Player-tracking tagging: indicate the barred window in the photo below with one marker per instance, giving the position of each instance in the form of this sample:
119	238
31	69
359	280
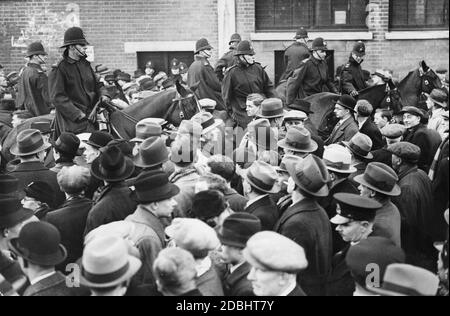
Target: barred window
413	14
289	15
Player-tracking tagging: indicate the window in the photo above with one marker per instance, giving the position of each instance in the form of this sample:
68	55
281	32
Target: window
289	15
413	14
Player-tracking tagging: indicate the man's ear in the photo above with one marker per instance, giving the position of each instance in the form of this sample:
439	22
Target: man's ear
5	232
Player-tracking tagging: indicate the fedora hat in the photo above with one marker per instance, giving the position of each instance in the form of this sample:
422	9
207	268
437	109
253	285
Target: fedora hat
12	212
262	176
298	139
310	174
202	44
207	121
106	263
381	178
68	143
112	166
145	129
301	105
338	159
153	186
360	145
40	244
407	280
99	139
271	108
152	152
237	229
29	142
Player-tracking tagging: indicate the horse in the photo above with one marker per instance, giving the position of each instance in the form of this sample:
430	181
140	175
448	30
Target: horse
384	96
172	105
322	104
417	83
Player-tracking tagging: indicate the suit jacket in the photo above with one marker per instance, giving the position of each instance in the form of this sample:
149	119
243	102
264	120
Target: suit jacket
307	224
209	283
237	202
28	172
340	282
70	220
388	222
266	211
112	205
343	132
54	285
237	284
370	129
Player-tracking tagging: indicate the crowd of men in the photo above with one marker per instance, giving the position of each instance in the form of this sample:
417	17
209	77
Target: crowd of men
277	211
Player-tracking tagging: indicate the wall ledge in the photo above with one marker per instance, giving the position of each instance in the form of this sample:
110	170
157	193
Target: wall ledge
329	36
166	46
406	35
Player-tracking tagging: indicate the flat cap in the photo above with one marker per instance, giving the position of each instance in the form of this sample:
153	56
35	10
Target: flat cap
407	151
393	131
413	110
272	251
207	104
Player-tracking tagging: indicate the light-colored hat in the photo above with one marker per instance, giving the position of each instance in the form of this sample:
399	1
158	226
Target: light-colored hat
407	280
338	159
192	234
107	263
295	115
298	139
192	128
393	131
145	129
274	252
360	145
262	176
207	104
207	121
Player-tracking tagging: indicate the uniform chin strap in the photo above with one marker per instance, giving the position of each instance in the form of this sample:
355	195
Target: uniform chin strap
83	54
42	61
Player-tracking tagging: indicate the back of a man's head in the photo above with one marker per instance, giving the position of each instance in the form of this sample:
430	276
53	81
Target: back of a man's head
364	108
74	179
222	166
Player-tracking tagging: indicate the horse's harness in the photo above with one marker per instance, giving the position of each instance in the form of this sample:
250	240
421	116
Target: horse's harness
185	111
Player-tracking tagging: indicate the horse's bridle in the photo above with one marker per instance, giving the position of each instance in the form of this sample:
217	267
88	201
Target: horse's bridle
178	102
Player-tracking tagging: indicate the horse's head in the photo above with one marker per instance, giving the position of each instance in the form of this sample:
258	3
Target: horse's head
429	80
184	106
392	101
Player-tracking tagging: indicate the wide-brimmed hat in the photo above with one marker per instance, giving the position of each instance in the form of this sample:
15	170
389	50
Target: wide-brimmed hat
310	174
338	159
298	139
202	44
380	178
145	129
353	207
262	176
68	143
99	139
74	36
407	280
271	108
153	186
347	102
40	244
12	212
106	263
207	121
238	228
360	145
112	166
35	48
301	105
29	142
152	152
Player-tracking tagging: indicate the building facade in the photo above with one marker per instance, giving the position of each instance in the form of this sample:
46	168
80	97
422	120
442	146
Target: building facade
126	33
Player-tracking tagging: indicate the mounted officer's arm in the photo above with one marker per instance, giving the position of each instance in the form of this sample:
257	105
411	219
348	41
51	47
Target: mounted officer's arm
294	85
347	85
227	91
269	89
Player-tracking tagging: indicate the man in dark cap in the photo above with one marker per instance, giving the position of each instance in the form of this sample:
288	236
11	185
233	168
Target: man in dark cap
420	219
74	89
65	149
352	78
228	60
312	76
33	85
202	75
393	133
346	128
296	53
210	207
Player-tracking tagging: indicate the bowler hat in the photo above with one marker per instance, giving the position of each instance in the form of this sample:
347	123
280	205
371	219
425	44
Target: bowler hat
74	36
298	139
112	166
208	204
414	111
393	131
347	102
376	251
271	251
29	142
43	126
202	44
319	44
207	121
99	139
153	186
439	97
12	212
407	280
40	191
310	175
244	48
35	48
301	33
353	207
338	159
272	108
359	48
406	151
68	143
380	178
237	229
146	130
107	263
360	145
152	152
262	176
235	38
39	243
301	105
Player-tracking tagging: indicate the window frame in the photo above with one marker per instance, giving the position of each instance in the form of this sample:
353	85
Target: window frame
415	27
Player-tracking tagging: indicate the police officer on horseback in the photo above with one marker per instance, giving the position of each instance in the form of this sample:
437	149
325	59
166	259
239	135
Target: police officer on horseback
296	53
352	77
